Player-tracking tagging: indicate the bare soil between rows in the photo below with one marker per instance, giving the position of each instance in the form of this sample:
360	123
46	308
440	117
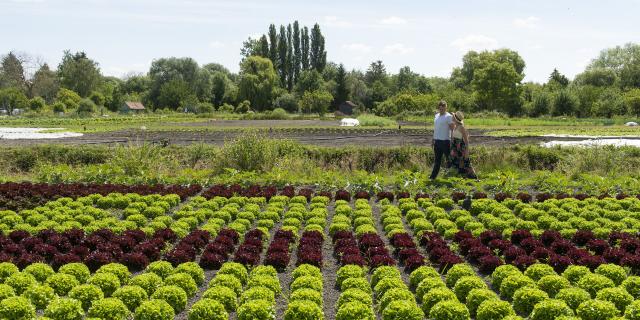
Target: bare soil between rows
330	137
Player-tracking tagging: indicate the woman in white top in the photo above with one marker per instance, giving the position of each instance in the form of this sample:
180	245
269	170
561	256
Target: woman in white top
460	147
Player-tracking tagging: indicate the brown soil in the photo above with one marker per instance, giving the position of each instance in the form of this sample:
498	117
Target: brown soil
312	136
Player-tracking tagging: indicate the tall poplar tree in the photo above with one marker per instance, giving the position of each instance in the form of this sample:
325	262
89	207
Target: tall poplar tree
282	56
273	44
296	51
305	49
317	55
289	58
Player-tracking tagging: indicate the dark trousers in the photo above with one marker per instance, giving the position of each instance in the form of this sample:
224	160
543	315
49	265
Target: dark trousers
440	148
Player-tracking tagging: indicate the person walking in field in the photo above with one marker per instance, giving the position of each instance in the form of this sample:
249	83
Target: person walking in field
460	147
441	143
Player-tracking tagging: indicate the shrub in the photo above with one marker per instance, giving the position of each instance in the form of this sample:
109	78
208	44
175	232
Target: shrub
262	293
20	281
154	310
173	295
192	269
64	309
618	296
539	270
512	283
456	272
355	311
161	268
62	283
575	273
132	296
119	270
436	295
616	273
402	309
594	283
236	269
420	274
449	310
349	271
17	308
147	281
477	297
41	271
597	310
494	309
227	280
86	294
550	310
107	282
108	309
633	311
256	310
466	284
354	295
184	281
39	295
303	310
78	270
226	296
552	284
303	295
207	309
524	299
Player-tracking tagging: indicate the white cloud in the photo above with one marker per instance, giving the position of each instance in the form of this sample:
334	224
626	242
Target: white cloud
216	44
475	42
334	21
397	48
357	47
393	20
526	23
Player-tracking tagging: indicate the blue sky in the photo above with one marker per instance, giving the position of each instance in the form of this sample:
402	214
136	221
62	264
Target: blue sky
429	36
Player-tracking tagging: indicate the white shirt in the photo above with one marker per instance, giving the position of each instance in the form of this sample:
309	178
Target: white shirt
441	130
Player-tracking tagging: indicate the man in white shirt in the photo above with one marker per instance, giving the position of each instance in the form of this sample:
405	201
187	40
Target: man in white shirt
442	127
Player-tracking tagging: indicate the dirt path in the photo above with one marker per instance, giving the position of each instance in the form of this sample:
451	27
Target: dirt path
310	135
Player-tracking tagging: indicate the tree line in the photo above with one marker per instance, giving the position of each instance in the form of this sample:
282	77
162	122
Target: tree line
287	68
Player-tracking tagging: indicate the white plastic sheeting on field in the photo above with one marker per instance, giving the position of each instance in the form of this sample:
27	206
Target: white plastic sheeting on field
349	122
594	143
35	133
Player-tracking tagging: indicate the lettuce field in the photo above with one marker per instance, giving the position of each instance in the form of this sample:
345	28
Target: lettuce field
103	251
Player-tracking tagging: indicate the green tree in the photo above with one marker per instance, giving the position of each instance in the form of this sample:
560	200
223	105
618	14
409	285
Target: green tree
310	80
624	61
304	49
45	84
289	63
297	51
317	54
37	104
97	98
376	72
250	47
273	44
281	64
264	47
182	73
173	94
610	103
11	99
632	101
597	77
317	101
79	73
557	80
258	81
564	103
342	90
540	105
496	86
12	73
